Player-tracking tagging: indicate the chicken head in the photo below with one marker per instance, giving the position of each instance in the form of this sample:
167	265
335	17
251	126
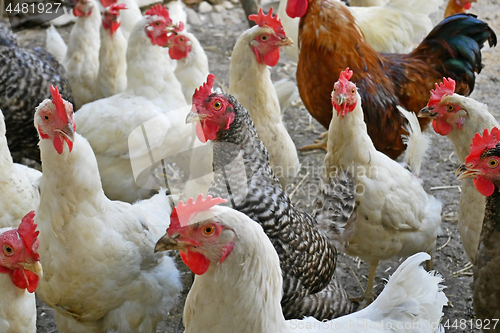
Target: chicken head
483	162
159	25
444	112
83	8
211	112
344	94
201	240
268	38
111	17
19	256
54	120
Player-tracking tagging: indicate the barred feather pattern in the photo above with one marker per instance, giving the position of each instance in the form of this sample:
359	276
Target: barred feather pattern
334	208
307	257
25	79
486	288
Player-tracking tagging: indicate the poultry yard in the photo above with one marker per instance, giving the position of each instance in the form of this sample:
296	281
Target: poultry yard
218	33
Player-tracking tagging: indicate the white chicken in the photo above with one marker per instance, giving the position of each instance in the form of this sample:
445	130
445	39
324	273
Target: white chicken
250	82
18	185
152	93
192	62
112	75
101	273
460	118
81	60
395	216
391	28
129	17
20	272
238	286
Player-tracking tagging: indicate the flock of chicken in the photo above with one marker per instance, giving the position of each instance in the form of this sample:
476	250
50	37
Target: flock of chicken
95	219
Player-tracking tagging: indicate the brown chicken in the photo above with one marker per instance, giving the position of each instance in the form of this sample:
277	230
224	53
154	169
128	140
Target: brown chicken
457	6
330	41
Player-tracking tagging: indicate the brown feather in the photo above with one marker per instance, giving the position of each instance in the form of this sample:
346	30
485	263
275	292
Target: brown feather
330	41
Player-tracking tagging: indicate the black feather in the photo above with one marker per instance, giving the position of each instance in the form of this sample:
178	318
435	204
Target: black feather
25	79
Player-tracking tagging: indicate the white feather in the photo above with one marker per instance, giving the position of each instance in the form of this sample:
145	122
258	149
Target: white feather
416	142
55	44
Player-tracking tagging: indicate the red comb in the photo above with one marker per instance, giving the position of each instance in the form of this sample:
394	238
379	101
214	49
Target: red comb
184	211
345	76
482	143
107	3
115	8
204	91
160	11
268	20
27	231
447	87
58	102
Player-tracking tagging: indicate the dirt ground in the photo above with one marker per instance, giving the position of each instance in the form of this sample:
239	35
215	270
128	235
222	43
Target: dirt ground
437	170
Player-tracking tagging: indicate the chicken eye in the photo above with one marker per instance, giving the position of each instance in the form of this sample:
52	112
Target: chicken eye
157	23
46	117
181	39
209	230
451	108
353	91
264	37
492	163
217	105
8	250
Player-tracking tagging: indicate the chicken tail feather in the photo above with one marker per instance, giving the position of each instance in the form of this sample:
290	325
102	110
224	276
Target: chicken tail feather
416	142
455	45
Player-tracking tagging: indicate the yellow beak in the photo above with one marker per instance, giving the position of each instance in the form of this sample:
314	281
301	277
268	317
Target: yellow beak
35	267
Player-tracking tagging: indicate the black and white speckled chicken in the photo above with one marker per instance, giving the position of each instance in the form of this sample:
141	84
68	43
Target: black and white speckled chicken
483	165
243	176
25	79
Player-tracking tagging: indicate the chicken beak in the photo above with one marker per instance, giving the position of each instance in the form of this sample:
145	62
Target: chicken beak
68	131
426	112
194	117
35	267
341	99
464	172
167	243
287	41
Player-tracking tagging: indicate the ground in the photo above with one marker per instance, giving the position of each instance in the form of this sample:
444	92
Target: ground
437	170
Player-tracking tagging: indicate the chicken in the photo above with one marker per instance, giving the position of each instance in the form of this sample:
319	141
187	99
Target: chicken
482	165
192	62
153	94
392	26
18	186
25	77
112	76
101	274
457	6
238	282
20	272
460	118
395	216
242	174
129	17
451	49
81	60
250	83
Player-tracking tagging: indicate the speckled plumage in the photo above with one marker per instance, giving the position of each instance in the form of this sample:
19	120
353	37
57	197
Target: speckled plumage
25	79
486	286
306	255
